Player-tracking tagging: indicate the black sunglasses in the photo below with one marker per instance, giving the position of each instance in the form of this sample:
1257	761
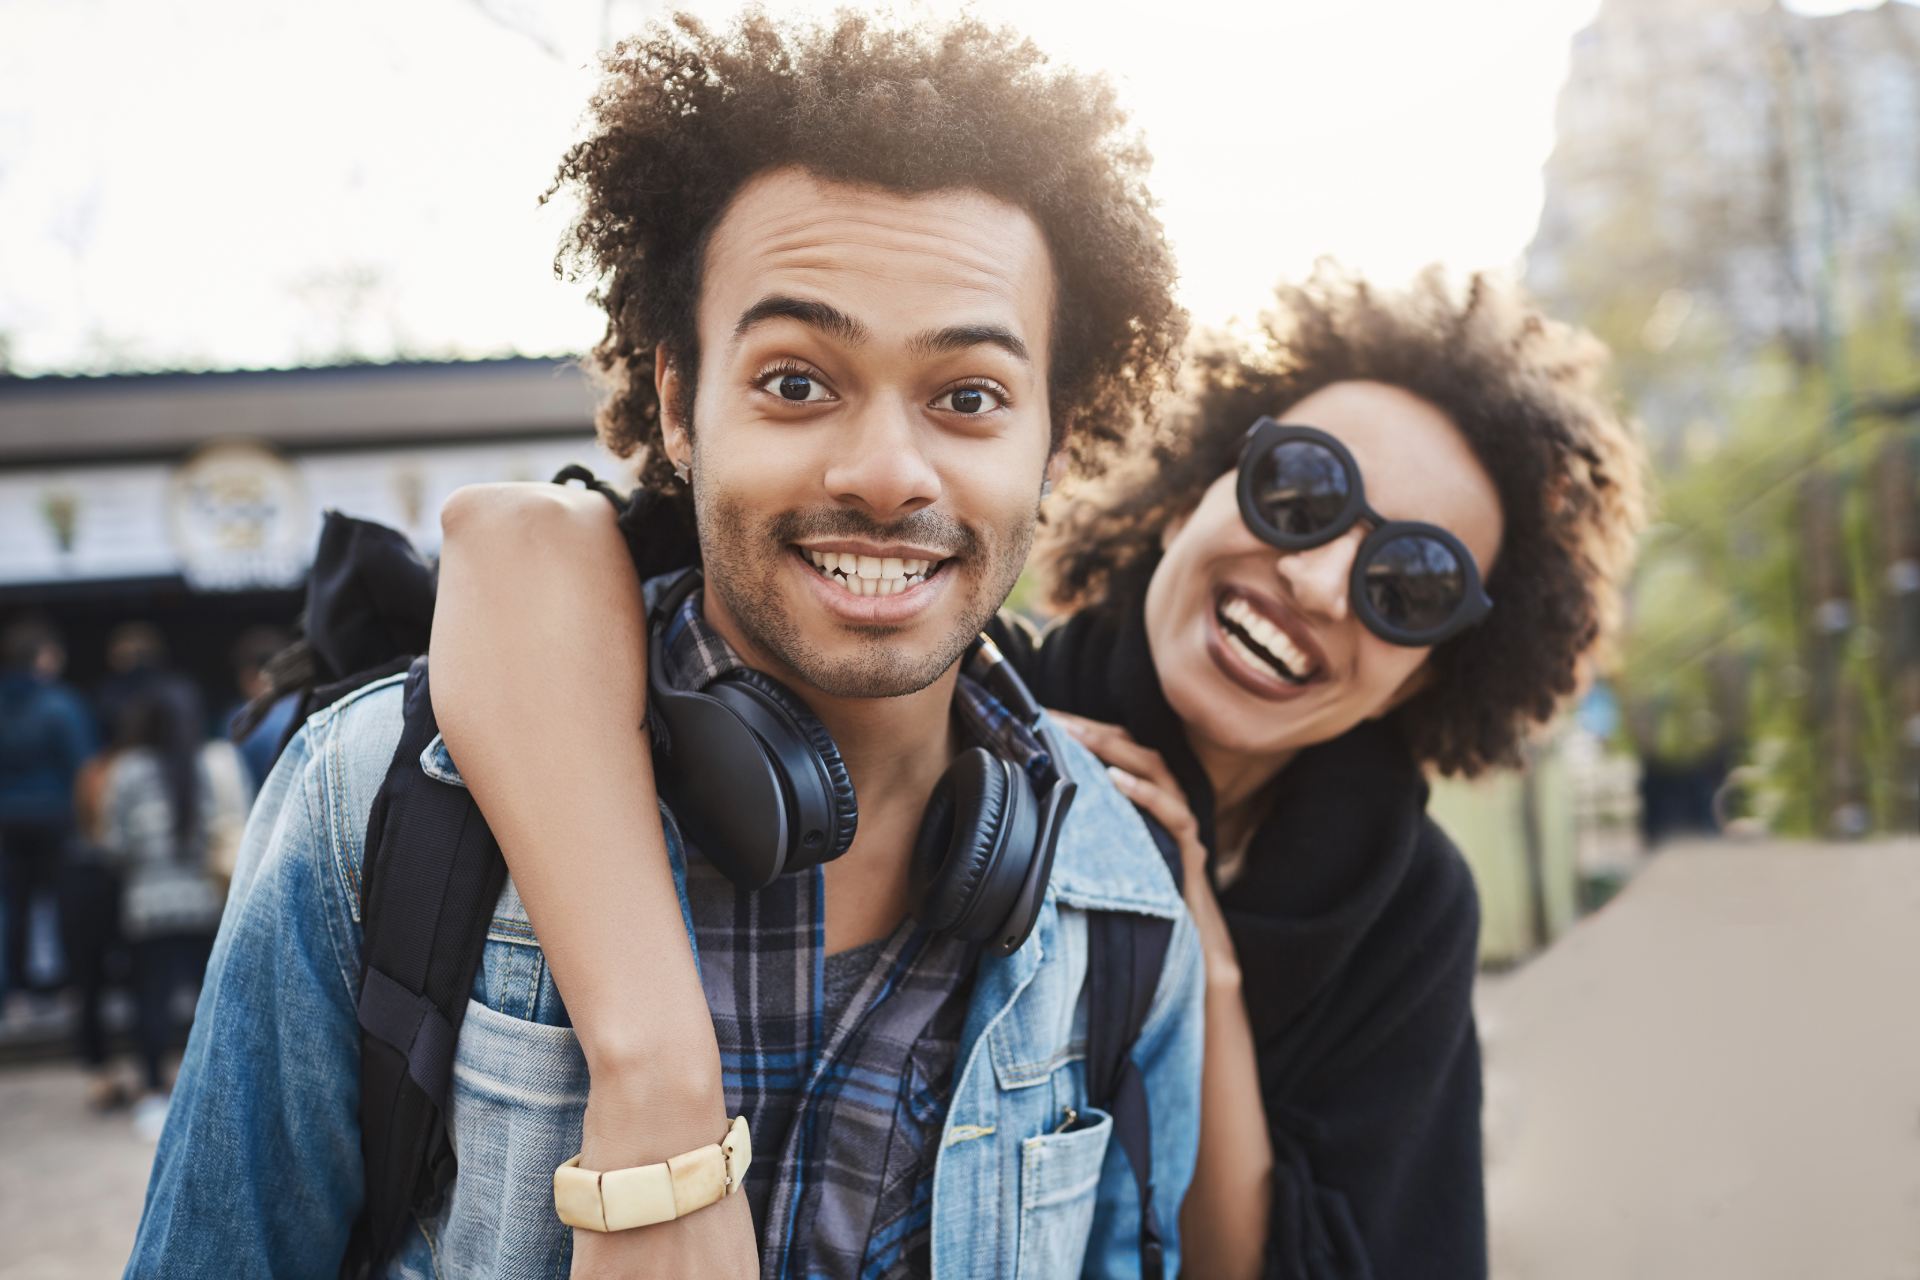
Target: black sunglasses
1413	584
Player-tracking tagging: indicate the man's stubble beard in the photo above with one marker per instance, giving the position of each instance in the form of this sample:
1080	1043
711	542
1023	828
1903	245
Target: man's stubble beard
744	562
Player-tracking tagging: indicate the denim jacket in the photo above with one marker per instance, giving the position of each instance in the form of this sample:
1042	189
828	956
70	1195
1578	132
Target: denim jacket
259	1170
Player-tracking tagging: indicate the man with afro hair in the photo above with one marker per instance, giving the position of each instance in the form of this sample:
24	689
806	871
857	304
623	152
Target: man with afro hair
869	290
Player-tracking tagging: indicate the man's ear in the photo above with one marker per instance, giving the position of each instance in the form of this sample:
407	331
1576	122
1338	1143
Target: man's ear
667	389
1056	469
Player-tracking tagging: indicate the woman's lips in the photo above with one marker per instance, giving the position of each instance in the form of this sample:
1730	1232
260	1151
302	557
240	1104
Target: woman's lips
1250	674
1273	628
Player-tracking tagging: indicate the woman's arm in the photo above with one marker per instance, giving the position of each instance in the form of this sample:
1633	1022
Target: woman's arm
1223	1224
539	678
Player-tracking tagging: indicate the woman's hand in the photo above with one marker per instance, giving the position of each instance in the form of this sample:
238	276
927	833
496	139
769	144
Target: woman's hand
1142	776
715	1242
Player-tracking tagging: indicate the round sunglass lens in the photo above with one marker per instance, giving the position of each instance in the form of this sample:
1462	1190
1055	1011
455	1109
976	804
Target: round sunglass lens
1301	488
1415	583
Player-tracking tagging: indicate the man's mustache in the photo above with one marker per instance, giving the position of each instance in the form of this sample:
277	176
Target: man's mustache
934	530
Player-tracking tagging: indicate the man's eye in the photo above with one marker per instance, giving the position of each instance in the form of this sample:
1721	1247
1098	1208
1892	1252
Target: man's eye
969	400
798	388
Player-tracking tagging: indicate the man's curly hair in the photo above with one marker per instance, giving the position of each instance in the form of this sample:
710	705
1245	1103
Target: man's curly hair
1527	394
685	116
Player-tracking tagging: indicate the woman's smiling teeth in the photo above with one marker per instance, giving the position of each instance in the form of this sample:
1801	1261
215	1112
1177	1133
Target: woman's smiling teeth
1258	641
871	575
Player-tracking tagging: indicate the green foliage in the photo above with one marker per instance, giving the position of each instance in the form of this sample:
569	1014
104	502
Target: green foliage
1721	637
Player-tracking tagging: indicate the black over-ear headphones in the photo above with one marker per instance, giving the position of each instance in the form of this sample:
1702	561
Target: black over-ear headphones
759	787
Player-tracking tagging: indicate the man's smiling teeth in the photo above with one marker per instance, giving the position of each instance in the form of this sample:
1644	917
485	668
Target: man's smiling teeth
871	575
1269	643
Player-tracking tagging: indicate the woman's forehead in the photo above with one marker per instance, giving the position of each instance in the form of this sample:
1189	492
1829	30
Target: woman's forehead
1414	462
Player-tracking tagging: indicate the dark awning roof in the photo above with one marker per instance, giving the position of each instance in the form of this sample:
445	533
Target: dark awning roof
123	416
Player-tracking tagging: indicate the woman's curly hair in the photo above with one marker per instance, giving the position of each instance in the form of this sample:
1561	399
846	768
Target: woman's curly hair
685	116
1526	392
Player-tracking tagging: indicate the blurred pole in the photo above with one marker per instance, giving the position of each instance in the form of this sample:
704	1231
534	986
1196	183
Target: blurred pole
1897	518
1729	677
1533	838
1809	154
1841	809
1838	801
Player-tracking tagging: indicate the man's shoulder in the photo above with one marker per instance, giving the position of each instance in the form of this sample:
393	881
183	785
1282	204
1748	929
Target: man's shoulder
339	759
354	736
1107	860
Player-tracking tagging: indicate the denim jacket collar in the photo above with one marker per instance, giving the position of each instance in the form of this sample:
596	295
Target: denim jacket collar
1092	874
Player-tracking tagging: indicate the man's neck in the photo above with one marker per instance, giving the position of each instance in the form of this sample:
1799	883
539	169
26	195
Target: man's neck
887	743
893	745
895	751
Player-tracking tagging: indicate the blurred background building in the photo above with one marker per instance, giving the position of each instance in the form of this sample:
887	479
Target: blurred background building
1720	170
191	501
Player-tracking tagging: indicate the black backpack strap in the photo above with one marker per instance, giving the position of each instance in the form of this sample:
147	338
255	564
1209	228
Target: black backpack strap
574	471
431	875
1126	953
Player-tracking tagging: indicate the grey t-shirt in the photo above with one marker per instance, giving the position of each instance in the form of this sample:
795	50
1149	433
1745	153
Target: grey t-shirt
844	972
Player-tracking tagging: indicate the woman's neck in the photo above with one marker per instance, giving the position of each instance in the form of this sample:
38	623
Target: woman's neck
1239	780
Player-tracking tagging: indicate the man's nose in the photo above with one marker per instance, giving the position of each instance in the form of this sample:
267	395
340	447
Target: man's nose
1319	579
881	463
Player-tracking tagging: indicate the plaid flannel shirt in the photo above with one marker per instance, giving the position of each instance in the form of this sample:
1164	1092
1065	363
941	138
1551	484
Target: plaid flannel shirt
847	1117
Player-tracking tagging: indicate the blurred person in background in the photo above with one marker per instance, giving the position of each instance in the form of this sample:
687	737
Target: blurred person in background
90	934
1271	673
138	667
172	807
259	740
45	736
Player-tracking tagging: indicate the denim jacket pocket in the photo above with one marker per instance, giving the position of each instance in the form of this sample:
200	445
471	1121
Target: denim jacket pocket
519	1089
1059	1182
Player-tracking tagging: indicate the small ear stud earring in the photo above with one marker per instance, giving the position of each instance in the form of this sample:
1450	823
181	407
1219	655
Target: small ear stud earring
683	472
1046	488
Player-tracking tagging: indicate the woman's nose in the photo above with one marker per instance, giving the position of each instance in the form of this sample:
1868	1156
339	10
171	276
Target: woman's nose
1318	579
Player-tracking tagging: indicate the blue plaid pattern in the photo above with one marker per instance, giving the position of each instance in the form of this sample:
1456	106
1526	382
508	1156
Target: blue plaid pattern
847	1117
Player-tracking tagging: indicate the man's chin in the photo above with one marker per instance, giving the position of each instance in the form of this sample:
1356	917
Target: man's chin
845	647
817	636
880	671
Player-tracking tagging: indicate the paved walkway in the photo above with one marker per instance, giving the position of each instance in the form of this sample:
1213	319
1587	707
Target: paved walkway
1717	1077
71	1182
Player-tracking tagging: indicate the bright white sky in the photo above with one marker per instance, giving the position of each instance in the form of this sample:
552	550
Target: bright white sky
243	183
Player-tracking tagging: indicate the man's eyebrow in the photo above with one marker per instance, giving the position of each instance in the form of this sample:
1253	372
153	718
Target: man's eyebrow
962	336
828	319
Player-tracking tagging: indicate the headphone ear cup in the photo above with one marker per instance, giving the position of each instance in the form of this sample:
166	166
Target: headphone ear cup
846	813
960	836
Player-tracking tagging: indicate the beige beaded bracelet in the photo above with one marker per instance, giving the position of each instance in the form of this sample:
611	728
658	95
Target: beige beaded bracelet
620	1199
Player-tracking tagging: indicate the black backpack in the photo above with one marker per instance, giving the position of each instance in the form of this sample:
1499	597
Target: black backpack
432	874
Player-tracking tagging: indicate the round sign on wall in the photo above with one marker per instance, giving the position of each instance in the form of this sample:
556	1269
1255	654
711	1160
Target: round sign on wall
237	516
